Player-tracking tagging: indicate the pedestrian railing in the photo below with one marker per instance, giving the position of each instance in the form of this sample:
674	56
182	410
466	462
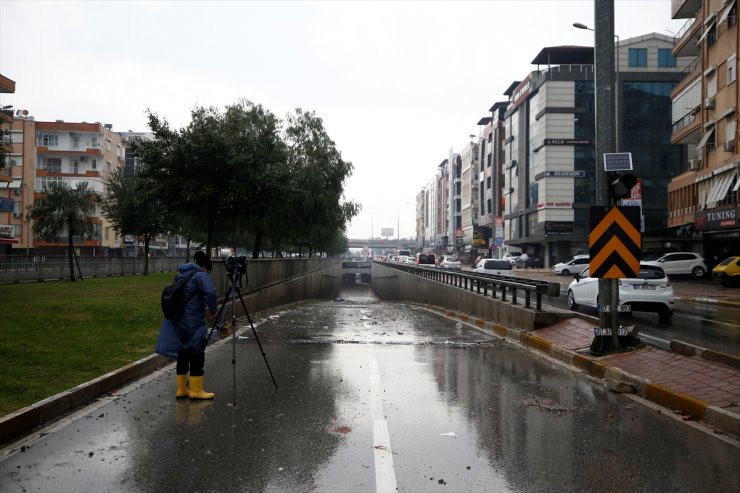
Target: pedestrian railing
22	268
507	289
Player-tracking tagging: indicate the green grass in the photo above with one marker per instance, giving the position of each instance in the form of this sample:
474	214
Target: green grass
56	335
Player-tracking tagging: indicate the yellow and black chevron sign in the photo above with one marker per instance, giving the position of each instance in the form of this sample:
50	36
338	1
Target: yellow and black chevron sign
615	242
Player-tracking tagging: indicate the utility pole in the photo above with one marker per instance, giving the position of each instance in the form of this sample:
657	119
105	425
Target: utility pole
604	89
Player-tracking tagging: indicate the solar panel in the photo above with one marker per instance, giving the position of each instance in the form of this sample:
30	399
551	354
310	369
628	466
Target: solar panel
618	161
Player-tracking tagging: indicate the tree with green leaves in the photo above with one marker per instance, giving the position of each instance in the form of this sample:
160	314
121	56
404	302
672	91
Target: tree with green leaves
64	210
132	205
318	174
214	170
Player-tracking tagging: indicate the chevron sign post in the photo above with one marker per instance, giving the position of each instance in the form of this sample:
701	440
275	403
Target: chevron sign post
615	242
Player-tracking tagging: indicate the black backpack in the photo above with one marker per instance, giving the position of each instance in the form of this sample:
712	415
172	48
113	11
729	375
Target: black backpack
174	300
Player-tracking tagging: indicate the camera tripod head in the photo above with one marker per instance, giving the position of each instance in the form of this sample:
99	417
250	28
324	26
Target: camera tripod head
236	266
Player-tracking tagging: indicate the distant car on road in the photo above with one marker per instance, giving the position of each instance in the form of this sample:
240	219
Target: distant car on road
727	272
451	262
682	263
574	265
651	291
512	257
530	260
496	267
426	259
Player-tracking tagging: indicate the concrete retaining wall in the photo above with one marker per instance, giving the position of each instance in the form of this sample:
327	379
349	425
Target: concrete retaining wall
396	285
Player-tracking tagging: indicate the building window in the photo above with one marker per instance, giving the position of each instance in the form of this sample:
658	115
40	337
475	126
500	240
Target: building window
666	58
94	164
638	57
43	182
52	164
49	140
712	84
730	128
108	144
732	16
712	34
731	69
109	166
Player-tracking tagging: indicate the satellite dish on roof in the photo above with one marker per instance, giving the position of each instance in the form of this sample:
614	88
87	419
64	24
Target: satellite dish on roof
21	113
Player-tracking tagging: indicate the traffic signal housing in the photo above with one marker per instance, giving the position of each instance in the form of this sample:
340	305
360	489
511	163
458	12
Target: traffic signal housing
620	185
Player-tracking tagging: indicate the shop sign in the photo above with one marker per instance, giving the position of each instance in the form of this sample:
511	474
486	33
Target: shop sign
568	142
556	205
559	228
6	205
716	219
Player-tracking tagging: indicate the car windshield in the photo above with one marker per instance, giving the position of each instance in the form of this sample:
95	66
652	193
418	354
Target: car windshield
452	259
728	261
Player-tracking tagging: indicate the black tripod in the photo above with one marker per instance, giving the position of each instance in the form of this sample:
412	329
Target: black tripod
235	271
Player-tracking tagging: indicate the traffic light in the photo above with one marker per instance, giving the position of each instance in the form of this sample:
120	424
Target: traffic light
620	185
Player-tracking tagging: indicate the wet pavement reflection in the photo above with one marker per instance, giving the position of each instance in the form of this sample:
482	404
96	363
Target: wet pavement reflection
373	396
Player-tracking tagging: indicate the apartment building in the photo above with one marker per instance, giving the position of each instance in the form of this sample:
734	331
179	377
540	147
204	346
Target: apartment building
490	182
469	209
549	151
703	198
42	153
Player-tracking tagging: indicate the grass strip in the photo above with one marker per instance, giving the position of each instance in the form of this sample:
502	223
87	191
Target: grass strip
56	335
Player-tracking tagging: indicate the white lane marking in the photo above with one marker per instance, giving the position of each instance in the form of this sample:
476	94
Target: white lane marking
718	322
385	474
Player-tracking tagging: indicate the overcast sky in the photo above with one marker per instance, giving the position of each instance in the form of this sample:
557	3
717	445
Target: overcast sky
397	84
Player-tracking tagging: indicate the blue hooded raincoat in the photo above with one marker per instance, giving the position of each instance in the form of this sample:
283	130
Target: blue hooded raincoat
190	332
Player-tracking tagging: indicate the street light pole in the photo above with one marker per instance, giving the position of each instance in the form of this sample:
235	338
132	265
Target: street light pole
605	89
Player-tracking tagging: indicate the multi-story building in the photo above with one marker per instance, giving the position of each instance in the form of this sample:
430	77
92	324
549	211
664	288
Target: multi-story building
490	219
42	153
703	199
550	163
442	238
469	163
426	219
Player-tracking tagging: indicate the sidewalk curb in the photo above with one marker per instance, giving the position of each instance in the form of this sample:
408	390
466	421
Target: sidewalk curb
615	379
44	411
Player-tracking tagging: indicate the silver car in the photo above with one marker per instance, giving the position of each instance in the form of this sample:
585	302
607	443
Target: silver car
496	267
651	291
452	263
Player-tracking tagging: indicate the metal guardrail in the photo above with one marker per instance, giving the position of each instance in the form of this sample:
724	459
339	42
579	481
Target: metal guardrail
22	268
500	287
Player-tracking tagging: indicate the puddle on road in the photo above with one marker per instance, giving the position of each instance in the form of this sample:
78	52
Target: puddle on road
357	316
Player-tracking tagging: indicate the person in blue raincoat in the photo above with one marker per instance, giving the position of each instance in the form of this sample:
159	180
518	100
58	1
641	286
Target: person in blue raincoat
185	339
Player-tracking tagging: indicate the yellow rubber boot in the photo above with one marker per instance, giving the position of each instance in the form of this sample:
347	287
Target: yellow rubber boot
196	389
182	387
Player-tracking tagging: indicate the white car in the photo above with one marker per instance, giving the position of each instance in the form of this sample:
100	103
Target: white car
682	263
650	292
572	266
451	262
512	257
496	267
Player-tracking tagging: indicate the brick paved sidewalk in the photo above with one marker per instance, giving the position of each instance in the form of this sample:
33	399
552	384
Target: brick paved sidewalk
714	383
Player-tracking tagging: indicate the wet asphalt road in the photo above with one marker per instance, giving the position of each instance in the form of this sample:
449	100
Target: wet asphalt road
372	397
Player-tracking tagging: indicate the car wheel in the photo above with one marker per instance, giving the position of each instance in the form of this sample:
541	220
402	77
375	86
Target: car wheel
697	272
572	300
665	315
565	272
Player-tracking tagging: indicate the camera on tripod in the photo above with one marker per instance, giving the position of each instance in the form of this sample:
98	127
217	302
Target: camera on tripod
236	265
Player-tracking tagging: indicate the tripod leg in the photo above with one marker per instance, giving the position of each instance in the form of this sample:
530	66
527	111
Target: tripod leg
251	324
218	314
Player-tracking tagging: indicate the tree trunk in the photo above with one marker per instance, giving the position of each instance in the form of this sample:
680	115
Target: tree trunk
70	255
257	244
147	238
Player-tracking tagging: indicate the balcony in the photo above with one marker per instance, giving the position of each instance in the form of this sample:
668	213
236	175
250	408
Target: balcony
683	9
685	43
687	130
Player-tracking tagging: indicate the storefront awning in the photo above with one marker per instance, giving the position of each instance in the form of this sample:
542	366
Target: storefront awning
720	188
705	138
726	12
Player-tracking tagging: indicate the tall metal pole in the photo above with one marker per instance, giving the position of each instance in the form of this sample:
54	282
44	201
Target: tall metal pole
605	138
